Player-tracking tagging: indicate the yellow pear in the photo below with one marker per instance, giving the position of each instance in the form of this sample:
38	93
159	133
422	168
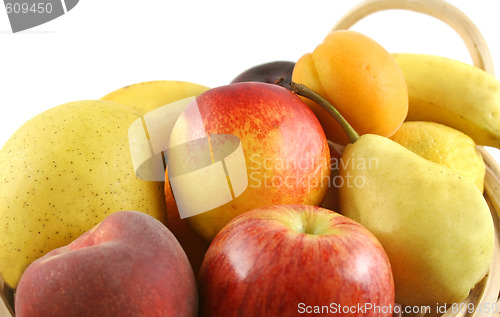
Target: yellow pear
434	224
61	173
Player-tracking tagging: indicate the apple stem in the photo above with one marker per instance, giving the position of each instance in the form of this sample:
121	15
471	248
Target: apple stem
307	92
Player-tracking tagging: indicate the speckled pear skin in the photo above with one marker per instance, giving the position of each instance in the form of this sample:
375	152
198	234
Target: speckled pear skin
61	173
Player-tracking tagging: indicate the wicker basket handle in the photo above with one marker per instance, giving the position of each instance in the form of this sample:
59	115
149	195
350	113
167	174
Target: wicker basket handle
456	19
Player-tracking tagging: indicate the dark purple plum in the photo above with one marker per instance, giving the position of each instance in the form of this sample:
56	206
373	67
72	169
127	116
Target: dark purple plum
279	72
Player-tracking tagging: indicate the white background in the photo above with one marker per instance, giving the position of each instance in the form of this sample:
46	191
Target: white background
102	45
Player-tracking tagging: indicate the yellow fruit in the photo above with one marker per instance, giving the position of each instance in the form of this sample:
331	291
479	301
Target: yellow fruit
444	145
453	93
434	224
61	173
150	95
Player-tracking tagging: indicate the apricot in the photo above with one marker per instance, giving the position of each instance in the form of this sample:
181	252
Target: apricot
358	77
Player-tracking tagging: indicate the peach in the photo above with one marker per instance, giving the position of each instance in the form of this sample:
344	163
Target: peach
252	144
129	264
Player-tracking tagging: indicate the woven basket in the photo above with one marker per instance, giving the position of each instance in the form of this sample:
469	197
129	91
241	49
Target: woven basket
484	298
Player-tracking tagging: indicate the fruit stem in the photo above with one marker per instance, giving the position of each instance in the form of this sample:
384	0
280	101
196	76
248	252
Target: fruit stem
307	92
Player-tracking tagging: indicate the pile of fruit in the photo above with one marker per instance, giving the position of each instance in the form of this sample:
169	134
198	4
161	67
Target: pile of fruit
363	192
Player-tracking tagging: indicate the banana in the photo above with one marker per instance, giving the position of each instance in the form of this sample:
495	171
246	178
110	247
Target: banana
149	95
453	93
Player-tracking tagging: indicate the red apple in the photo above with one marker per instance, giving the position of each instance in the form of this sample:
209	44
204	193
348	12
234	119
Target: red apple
295	260
273	147
130	264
